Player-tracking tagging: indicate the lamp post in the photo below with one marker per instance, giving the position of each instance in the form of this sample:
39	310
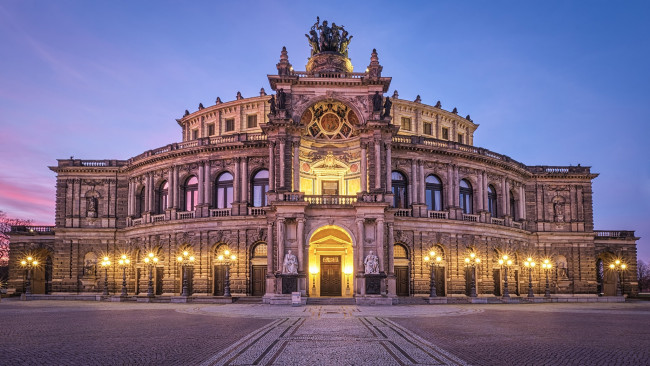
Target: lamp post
105	264
185	260
546	265
348	272
28	263
505	262
150	260
313	270
619	267
471	262
433	262
124	262
530	264
226	258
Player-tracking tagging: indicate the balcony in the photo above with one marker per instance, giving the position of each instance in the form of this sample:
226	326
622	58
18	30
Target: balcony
443	215
220	212
331	200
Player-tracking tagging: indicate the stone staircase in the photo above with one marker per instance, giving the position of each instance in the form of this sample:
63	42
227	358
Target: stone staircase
248	300
331	301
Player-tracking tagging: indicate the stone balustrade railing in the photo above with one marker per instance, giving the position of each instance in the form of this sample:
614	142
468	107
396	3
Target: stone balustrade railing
330	200
403	212
220	212
257	211
158	218
32	229
496	221
438	215
472	218
620	234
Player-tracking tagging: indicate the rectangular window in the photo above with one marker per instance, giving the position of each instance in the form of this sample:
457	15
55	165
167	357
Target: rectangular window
406	123
460	138
195	134
445	133
251	121
211	129
427	128
230	124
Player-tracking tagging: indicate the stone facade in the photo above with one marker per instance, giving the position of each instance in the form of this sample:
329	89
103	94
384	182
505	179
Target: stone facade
330	170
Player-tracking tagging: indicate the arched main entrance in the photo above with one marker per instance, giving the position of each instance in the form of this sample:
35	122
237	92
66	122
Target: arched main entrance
331	262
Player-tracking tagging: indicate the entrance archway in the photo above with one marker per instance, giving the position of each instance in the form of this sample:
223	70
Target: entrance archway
331	262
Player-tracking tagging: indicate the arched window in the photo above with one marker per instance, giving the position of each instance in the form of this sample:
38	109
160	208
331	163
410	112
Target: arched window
433	189
465	194
224	191
513	206
399	190
163	197
260	251
492	201
399	251
139	203
191	190
260	187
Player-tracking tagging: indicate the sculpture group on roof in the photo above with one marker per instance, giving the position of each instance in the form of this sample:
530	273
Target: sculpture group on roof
324	38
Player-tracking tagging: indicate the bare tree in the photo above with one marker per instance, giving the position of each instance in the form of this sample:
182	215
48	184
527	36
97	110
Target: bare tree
644	276
5	227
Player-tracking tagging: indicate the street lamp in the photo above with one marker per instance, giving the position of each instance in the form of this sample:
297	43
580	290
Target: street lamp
185	261
105	264
226	258
530	264
433	262
471	262
546	265
348	272
505	262
619	267
28	263
124	262
313	270
150	260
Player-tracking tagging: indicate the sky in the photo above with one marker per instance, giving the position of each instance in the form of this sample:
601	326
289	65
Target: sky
549	82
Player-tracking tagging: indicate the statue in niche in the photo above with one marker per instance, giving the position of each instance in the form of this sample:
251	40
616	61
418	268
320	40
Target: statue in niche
558	210
387	106
272	104
371	263
90	264
290	265
376	102
91	207
562	268
282	99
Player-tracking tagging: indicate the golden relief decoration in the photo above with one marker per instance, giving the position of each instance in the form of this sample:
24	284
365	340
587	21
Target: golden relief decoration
329	120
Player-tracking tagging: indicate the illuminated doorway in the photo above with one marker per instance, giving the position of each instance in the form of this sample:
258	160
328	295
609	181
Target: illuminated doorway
331	262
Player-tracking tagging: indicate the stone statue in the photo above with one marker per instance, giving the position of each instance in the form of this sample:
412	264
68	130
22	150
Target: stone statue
387	105
218	101
272	104
376	102
345	41
187	113
201	106
455	111
312	38
92	207
282	99
558	209
325	36
371	263
438	105
290	264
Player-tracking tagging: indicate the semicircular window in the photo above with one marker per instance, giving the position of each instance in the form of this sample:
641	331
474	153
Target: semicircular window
329	120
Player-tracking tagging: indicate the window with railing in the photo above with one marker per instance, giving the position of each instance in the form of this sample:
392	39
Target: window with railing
406	123
427	128
139	203
251	121
513	206
433	192
260	187
492	201
465	193
230	125
224	191
191	193
163	195
400	193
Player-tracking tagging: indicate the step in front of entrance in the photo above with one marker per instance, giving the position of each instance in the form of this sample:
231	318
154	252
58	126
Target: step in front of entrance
331	301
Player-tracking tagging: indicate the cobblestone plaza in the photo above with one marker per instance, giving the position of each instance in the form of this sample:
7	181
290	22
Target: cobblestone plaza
100	333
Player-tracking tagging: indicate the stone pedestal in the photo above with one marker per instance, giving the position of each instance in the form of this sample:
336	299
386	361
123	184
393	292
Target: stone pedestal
373	283
288	283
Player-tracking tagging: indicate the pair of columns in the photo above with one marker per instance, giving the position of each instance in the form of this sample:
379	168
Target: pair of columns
280	234
295	163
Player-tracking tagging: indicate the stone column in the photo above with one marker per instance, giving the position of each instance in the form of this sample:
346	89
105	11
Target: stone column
504	197
380	243
235	182
207	194
129	202
413	189
522	202
423	197
271	166
170	188
480	191
280	244
360	244
296	167
201	184
391	247
450	186
176	188
244	181
147	194
456	185
282	163
377	164
269	250
574	211
301	244
364	168
485	190
152	193
389	169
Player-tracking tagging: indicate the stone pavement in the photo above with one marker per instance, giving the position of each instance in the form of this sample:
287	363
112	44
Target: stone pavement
92	333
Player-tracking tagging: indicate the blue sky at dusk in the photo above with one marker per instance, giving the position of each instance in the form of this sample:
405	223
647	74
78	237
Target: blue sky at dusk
552	83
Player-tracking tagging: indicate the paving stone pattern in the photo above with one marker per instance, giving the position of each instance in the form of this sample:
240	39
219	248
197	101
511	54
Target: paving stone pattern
94	333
